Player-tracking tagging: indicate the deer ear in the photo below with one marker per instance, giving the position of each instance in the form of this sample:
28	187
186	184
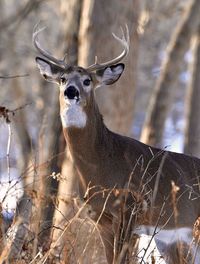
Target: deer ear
48	70
109	75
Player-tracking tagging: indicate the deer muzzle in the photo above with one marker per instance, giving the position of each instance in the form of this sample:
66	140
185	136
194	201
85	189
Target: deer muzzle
71	93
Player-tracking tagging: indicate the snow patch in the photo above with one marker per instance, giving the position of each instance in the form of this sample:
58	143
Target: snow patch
148	251
11	190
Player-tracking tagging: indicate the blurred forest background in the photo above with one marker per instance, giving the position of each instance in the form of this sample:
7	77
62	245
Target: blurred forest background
155	101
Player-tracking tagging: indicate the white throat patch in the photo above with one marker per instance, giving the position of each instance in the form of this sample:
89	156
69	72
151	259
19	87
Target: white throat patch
73	115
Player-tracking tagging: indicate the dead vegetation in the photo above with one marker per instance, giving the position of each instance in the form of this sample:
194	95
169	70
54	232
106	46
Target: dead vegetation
26	239
23	241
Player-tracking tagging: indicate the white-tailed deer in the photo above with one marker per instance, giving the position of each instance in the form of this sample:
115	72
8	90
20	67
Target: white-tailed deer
118	170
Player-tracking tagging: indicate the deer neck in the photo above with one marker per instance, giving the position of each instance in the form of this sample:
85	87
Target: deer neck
84	142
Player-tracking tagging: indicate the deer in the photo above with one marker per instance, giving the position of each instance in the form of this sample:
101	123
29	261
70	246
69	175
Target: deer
122	173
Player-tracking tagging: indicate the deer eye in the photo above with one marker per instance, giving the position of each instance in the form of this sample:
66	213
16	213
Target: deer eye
63	80
87	82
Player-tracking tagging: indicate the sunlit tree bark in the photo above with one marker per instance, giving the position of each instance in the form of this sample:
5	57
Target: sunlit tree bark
98	21
165	87
192	134
68	189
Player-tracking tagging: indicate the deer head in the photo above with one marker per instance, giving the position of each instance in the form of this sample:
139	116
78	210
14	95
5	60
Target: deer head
77	84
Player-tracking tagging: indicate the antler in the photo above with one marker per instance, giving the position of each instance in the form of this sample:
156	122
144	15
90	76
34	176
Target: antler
46	54
124	41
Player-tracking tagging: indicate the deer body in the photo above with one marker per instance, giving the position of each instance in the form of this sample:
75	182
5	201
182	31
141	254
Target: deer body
107	162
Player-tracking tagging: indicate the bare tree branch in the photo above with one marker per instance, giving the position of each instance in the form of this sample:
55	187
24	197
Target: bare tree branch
14	76
20	14
164	90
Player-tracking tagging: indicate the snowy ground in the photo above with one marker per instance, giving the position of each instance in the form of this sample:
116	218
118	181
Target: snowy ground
163	246
11	189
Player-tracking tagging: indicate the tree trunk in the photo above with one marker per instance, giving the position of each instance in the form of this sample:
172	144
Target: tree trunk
98	21
68	189
192	134
49	155
165	87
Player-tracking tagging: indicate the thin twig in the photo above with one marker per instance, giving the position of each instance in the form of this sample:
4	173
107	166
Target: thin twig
8	151
154	232
14	76
100	216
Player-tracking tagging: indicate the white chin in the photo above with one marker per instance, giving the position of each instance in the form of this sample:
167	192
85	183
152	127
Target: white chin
73	115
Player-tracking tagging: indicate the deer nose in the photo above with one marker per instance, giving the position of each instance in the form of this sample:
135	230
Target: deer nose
71	92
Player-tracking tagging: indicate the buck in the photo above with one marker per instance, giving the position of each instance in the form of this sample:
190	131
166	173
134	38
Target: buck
116	172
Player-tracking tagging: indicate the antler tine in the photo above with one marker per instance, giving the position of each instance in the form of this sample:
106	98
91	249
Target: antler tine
45	53
124	41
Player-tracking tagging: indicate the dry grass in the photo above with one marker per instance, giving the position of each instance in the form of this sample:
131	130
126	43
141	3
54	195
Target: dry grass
29	240
82	241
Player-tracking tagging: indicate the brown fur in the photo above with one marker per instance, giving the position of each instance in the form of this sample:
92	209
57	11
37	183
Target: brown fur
107	160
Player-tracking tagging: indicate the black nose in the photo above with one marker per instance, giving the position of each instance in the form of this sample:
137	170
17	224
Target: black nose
71	92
